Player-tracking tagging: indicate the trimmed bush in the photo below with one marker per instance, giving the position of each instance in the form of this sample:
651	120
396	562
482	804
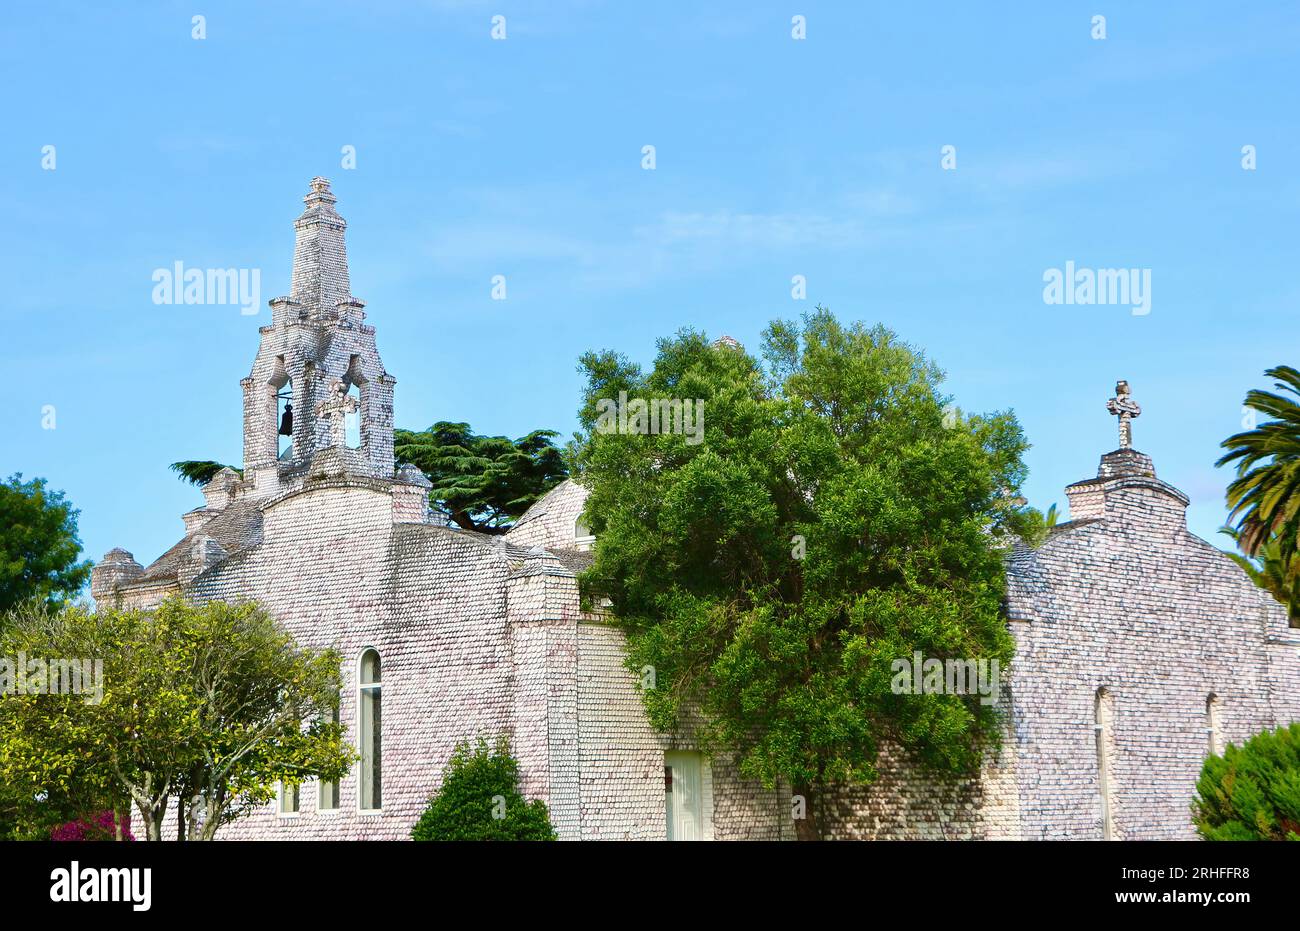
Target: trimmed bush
480	800
1252	792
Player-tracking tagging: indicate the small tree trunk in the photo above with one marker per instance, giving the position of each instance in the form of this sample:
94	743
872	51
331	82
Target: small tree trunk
117	822
809	826
212	820
151	817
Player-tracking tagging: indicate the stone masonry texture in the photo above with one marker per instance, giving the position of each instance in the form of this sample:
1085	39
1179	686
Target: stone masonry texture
482	635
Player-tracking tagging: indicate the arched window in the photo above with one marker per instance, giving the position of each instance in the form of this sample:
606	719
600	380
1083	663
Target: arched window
1212	723
370	798
1102	717
352	419
354	436
284	420
280	398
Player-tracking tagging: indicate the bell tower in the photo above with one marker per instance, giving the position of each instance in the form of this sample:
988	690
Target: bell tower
318	356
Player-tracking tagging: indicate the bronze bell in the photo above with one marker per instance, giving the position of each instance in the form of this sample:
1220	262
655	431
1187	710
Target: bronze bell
286	422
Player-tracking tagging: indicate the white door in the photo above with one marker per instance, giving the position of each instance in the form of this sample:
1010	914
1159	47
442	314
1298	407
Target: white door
683	795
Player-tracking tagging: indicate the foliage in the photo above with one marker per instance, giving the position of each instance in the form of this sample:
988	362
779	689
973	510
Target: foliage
209	704
842	450
200	471
1252	792
100	826
1267	457
482	483
38	545
480	800
1264	498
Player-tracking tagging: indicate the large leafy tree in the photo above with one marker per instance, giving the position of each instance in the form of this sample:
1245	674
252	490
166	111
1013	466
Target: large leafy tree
1264	498
207	705
482	482
1252	791
38	545
837	516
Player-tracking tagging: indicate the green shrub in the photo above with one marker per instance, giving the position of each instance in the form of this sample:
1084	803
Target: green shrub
480	800
1252	792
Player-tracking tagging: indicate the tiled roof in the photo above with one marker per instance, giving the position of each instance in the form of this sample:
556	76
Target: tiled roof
238	527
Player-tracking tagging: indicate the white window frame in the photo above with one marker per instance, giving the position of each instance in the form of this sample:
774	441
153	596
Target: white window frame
361	688
1213	724
582	540
338	783
1103	731
281	793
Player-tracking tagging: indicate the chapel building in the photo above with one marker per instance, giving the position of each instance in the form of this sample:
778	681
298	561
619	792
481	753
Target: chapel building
1140	647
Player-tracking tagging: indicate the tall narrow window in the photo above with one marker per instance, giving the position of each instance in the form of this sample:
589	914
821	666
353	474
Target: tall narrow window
1102	715
328	800
684	795
369	731
288	799
1212	724
284	419
352	419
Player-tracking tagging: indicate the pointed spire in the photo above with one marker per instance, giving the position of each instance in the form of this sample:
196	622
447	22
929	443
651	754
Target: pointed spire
320	256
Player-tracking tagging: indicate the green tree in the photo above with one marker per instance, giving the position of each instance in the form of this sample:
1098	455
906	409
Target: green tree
200	471
43	784
1264	498
480	800
837	517
482	482
1252	792
38	545
210	705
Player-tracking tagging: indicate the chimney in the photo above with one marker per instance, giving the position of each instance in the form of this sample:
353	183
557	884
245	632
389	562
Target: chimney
410	496
117	568
218	492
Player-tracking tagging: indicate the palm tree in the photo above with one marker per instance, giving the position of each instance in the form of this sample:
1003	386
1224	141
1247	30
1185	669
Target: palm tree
1265	496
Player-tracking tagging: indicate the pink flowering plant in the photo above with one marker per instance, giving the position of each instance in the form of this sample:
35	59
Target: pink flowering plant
95	827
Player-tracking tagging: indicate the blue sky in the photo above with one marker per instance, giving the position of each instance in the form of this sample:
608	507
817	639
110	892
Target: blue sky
522	157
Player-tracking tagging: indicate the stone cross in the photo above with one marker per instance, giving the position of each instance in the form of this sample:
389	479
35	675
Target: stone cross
1125	408
336	407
